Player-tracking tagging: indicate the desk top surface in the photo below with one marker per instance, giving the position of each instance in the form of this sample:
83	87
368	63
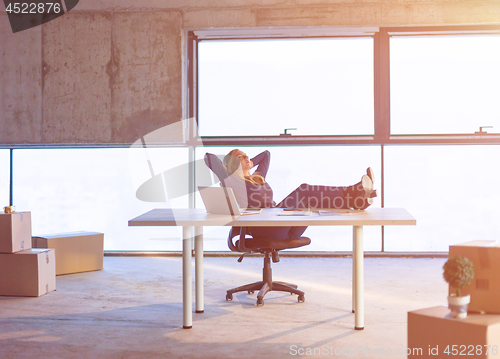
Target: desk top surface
269	218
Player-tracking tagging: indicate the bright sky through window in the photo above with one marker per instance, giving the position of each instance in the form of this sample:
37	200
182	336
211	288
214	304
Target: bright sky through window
445	84
260	87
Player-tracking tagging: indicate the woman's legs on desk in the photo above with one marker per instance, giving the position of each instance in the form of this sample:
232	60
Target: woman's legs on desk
358	196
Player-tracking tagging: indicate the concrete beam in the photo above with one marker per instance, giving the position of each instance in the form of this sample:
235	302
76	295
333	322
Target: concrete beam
219	18
303	16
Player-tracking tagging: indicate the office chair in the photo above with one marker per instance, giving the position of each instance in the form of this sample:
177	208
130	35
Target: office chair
248	244
269	248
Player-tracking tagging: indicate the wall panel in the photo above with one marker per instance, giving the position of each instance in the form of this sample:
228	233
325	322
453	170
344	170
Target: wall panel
146	75
76	81
20	84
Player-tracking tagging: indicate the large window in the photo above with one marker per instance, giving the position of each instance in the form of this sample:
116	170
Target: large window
70	190
445	84
261	87
450	190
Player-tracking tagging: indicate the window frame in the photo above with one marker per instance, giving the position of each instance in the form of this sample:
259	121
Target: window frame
381	39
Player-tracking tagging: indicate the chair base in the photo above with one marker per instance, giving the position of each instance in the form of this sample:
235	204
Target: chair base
267	284
264	288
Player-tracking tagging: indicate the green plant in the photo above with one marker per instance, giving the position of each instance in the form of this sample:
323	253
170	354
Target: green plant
458	272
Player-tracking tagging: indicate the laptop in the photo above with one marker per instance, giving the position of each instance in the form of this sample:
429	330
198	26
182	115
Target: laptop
221	200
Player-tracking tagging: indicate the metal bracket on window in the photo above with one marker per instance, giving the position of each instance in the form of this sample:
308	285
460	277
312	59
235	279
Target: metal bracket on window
481	132
286	131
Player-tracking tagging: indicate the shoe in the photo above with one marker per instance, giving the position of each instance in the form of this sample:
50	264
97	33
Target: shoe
359	195
365	186
369	173
366	204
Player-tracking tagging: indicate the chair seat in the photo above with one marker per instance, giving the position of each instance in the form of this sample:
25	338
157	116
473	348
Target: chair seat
276	244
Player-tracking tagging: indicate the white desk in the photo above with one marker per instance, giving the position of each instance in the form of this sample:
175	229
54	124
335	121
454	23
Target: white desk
189	218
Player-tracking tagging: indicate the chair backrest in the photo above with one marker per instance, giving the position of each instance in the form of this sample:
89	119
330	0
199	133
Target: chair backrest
215	164
228	179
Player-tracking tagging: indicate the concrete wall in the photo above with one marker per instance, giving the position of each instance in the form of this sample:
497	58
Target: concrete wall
111	71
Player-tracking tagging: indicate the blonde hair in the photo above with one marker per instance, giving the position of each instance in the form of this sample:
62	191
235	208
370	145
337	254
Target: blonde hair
232	163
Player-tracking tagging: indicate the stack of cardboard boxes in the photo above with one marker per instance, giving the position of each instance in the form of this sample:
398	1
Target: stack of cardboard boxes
23	271
439	336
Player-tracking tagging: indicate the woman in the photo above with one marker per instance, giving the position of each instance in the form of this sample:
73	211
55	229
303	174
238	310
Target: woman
252	191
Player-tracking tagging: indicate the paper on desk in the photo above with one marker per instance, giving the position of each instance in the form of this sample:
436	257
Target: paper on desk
297	212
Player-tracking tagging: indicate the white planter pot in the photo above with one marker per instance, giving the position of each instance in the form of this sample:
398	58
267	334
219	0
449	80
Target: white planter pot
458	305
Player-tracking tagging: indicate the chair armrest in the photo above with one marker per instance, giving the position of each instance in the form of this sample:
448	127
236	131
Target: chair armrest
241	241
238	245
234	232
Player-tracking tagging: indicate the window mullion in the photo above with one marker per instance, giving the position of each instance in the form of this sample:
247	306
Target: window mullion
382	111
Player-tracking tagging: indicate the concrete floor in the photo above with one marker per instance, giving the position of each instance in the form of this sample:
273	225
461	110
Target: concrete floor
133	309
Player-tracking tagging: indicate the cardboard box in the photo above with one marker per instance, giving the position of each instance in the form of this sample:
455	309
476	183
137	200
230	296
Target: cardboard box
29	273
75	252
15	232
432	333
485	287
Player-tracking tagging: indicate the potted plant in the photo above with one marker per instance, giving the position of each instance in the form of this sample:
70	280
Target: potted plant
458	273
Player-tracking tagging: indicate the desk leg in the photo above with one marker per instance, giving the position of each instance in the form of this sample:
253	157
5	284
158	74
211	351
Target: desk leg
358	279
353	297
198	274
187	280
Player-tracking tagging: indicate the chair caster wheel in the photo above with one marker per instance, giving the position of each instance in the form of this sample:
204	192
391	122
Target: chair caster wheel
260	301
301	299
250	292
229	297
